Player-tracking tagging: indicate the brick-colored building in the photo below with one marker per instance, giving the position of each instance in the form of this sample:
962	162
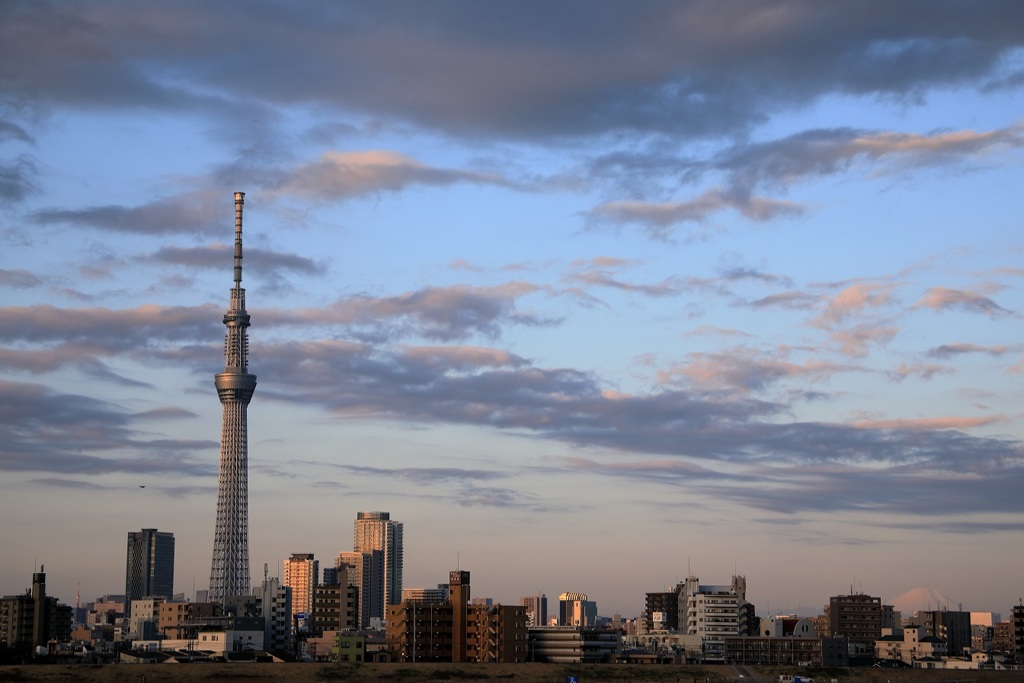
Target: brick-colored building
176	618
455	631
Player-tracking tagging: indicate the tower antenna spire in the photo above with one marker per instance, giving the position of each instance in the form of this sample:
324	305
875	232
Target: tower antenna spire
229	572
239	201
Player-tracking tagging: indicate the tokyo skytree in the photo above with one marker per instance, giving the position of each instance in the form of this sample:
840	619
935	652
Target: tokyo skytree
229	574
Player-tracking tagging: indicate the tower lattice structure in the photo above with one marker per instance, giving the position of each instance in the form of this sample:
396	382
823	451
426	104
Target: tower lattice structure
229	573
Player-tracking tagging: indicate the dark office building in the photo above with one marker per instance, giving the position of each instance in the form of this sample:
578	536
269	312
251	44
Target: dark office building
667	606
150	566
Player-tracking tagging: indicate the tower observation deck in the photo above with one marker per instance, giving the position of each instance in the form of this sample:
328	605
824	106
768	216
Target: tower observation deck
229	573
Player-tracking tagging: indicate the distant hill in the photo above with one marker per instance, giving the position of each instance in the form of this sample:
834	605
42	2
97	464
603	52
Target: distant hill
917	599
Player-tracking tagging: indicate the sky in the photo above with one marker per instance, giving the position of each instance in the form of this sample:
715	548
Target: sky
591	295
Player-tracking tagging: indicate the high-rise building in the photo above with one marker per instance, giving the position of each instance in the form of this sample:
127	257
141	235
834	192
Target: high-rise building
574	609
359	569
302	575
426	595
149	568
376	533
536	609
229	571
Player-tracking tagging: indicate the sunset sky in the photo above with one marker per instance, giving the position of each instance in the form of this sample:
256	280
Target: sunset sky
591	295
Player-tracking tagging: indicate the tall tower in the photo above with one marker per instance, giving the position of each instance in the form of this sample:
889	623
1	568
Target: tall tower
149	568
229	574
380	536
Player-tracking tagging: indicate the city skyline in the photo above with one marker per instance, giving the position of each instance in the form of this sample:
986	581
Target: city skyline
591	296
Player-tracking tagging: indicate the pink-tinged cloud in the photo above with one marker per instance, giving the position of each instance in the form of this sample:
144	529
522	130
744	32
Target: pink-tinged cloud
659	218
712	330
444	313
942	298
604	262
856	342
342	175
930	423
744	370
853	300
814	153
462	357
924	149
925	371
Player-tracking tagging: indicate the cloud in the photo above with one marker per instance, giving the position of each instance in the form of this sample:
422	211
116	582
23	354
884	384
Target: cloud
469	69
853	300
343	175
776	165
427	475
658	219
741	273
217	256
856	341
19	279
79	337
925	371
743	369
952	350
44	431
599	272
123	330
199	212
569	406
17	178
794	300
672	472
716	331
942	298
439	313
931	423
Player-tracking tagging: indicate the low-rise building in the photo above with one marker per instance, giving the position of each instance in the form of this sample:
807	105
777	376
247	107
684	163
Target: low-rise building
456	631
33	619
909	645
573	645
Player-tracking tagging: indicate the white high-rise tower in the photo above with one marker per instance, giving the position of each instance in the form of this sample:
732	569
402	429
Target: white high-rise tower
380	536
229	573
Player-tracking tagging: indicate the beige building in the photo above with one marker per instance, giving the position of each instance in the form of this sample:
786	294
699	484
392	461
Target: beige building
909	645
381	537
301	574
174	618
359	568
709	613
